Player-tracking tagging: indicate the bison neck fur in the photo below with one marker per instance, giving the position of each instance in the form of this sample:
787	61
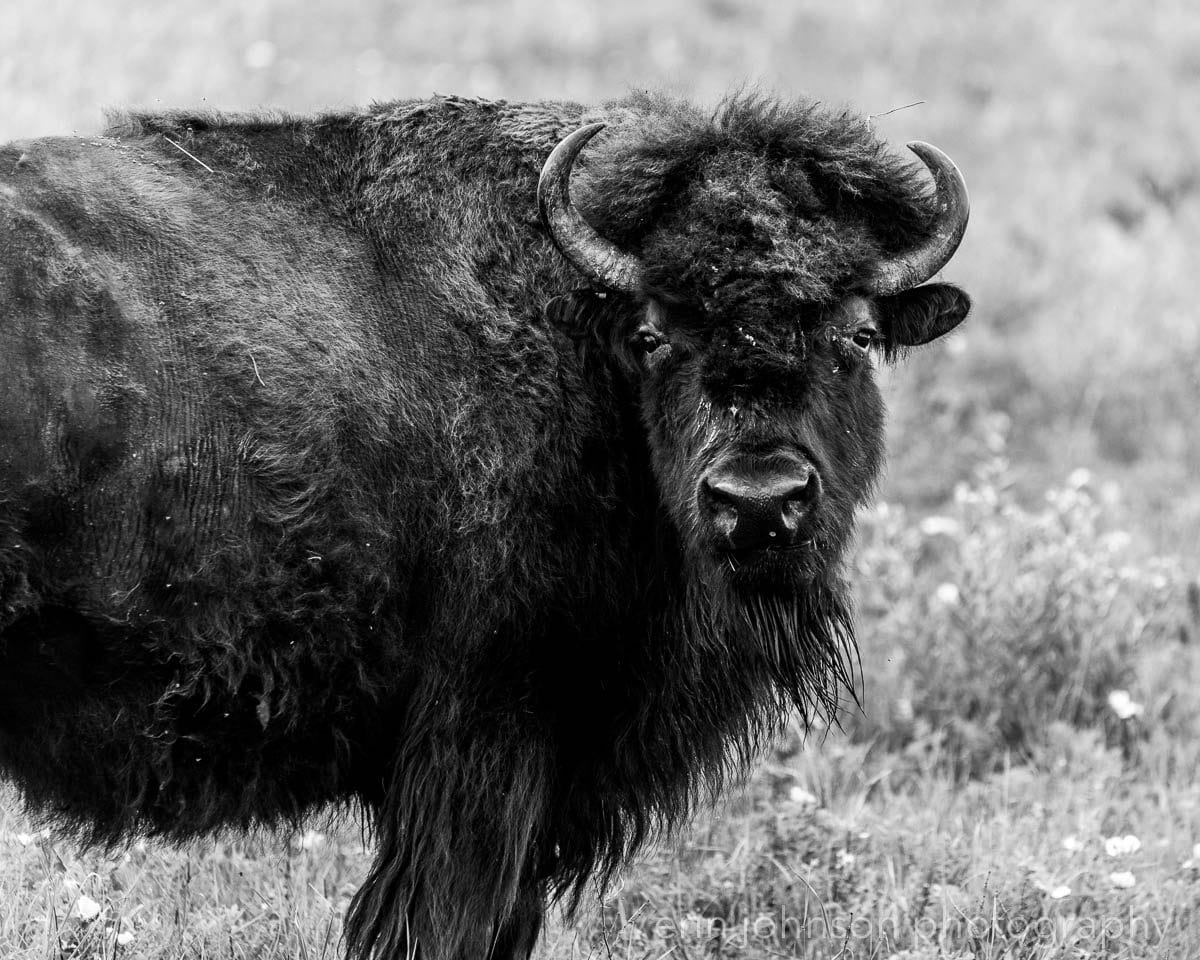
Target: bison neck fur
311	497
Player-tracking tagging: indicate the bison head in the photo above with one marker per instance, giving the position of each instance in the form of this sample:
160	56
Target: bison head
767	257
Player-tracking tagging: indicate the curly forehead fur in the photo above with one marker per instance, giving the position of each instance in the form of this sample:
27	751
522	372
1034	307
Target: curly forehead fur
754	204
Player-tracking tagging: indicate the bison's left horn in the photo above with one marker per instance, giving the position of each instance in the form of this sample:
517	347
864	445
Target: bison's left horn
598	259
917	265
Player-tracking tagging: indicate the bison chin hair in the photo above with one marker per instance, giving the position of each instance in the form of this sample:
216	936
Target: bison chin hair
788	634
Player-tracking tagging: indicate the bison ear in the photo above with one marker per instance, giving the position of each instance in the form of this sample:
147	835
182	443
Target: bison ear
922	314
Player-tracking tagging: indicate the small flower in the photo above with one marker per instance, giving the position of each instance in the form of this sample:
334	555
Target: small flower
1072	844
939	526
1193	862
1122	846
1123	705
947	594
1079	478
311	840
86	908
1121	879
125	938
802	796
25	839
845	860
1059	892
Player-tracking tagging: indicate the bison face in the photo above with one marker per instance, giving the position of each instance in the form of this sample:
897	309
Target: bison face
773	264
764	450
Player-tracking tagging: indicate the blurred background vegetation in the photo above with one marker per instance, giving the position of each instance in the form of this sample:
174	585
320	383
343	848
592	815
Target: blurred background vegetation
1029	604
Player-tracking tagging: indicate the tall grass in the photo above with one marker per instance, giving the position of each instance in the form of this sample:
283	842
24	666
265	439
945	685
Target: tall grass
986	627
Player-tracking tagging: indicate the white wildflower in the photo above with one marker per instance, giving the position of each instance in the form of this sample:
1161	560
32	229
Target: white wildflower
802	796
939	526
311	840
1122	846
1079	478
1072	843
85	908
1123	705
1121	879
947	594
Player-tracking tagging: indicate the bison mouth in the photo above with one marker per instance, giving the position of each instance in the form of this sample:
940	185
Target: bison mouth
788	566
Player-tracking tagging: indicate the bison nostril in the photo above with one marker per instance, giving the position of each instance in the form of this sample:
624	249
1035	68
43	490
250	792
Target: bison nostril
722	503
802	494
723	495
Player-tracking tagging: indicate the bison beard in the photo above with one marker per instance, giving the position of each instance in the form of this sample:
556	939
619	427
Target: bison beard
727	668
322	483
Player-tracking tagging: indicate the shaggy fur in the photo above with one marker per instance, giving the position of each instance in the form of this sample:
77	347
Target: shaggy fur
322	482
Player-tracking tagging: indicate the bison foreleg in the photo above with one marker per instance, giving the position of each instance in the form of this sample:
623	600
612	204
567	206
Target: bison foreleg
457	826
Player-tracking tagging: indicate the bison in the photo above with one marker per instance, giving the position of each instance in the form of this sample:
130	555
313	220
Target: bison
487	467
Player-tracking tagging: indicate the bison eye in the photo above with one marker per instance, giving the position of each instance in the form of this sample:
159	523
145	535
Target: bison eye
864	338
647	340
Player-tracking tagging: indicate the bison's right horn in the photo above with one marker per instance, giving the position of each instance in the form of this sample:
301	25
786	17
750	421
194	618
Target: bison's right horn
598	259
915	266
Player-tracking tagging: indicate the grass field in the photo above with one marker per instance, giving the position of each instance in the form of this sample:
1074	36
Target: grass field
1020	780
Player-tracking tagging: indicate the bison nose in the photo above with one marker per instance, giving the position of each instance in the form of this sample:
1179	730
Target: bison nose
753	511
